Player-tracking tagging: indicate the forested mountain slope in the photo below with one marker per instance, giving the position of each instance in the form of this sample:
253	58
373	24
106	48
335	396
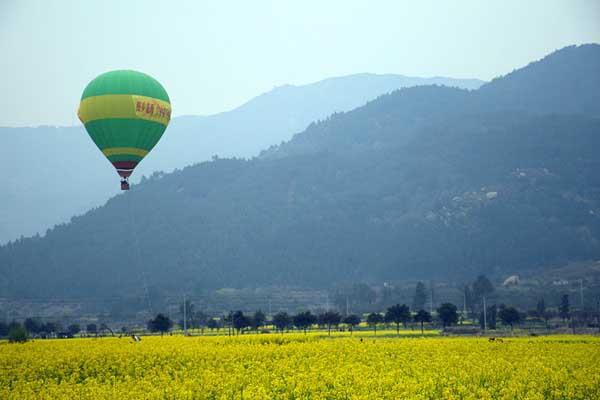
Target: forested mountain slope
426	182
57	172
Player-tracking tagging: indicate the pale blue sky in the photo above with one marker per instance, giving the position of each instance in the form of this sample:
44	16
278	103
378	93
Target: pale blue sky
213	56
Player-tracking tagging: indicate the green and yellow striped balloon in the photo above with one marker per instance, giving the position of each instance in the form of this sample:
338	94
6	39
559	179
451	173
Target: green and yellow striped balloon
125	113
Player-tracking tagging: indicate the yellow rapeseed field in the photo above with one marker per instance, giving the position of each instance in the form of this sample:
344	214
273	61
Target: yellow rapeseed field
298	366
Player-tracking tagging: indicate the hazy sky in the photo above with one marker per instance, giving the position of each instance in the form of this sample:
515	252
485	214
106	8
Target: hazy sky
213	56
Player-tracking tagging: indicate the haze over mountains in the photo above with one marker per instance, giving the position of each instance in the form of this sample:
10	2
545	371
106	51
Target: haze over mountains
57	172
425	182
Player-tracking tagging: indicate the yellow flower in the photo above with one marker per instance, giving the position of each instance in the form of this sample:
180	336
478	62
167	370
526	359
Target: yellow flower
298	366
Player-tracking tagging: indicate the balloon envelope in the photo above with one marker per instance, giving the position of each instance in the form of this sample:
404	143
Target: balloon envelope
125	113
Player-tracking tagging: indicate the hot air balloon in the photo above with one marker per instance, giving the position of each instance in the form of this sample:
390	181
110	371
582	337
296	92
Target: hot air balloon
125	113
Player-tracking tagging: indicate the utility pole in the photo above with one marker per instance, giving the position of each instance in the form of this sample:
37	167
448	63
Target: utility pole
184	316
484	315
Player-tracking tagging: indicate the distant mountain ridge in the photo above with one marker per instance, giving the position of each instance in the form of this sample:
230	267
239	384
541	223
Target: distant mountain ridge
51	188
424	183
561	83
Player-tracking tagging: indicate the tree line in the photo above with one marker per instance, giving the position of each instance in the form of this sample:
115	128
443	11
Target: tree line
477	309
34	327
237	322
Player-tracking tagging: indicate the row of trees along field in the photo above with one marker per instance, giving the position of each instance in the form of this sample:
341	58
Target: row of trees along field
237	322
446	315
35	327
398	315
478	309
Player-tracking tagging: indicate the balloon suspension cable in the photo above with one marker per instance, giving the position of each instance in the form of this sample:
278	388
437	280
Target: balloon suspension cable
138	254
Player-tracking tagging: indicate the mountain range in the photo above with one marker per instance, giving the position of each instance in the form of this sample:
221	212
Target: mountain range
427	182
44	186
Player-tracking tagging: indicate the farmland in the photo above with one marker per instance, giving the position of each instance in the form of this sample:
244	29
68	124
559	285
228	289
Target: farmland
298	366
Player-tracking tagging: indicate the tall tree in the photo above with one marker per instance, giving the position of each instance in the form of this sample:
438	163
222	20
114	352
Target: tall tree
374	319
330	319
447	314
420	297
240	321
351	320
421	317
398	314
161	323
281	321
258	319
304	320
509	316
